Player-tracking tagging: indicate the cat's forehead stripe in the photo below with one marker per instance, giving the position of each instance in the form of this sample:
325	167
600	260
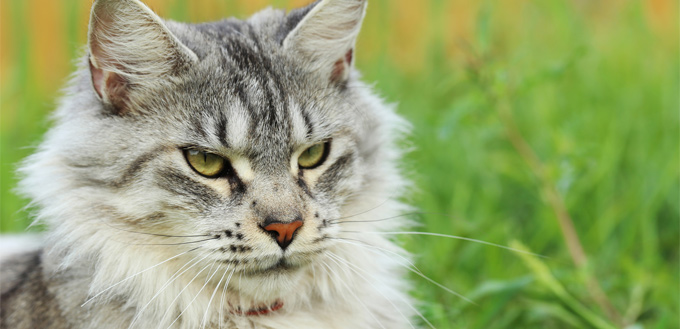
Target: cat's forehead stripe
257	78
255	81
222	122
237	128
308	122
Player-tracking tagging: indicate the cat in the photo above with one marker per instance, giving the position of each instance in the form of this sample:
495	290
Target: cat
231	174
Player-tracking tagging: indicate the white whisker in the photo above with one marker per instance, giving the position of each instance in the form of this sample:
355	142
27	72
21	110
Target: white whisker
170	244
419	273
363	212
205	316
339	259
172	279
452	237
136	274
355	296
240	297
197	294
181	291
370	247
210	270
224	291
441	286
392	217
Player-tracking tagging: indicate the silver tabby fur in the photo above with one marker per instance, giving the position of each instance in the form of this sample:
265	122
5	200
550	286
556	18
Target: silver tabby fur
137	239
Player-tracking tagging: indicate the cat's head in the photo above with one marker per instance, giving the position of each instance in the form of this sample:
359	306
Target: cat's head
241	141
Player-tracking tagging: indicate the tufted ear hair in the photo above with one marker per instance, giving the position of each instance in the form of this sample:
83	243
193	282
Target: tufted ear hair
130	48
326	36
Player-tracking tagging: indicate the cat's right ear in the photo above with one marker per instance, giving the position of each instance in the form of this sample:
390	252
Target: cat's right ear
130	50
326	35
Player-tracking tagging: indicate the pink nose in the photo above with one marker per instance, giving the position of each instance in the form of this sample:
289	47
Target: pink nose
283	232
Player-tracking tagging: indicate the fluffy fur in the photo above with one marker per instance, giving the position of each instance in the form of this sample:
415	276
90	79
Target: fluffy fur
138	239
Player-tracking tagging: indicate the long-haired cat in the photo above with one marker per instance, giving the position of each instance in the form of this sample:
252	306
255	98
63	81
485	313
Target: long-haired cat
229	174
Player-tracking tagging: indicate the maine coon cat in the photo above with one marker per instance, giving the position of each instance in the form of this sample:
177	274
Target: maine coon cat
230	174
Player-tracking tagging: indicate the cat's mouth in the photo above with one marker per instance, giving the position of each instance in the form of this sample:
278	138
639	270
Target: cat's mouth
281	267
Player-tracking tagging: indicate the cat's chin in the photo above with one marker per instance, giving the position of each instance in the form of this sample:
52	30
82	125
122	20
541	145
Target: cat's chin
276	266
283	267
270	283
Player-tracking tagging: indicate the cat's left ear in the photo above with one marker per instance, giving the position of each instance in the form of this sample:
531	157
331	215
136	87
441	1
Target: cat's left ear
326	36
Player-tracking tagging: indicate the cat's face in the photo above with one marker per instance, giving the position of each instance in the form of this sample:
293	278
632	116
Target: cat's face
231	151
236	143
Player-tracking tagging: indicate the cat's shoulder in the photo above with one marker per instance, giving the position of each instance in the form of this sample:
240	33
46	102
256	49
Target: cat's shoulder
15	245
26	299
20	258
17	269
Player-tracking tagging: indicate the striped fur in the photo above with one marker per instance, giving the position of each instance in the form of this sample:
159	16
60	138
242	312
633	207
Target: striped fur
111	183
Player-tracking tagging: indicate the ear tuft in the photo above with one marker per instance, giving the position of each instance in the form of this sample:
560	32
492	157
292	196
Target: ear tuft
341	68
111	88
326	36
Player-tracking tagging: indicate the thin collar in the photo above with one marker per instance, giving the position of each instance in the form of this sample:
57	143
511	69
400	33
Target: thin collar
259	311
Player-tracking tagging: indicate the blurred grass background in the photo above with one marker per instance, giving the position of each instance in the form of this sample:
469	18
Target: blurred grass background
529	117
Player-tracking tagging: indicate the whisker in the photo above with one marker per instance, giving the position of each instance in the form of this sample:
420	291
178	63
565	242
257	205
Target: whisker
134	275
211	268
453	237
417	271
313	268
224	291
392	217
205	316
172	279
181	291
353	294
171	244
197	294
240	297
370	247
441	286
365	211
153	234
339	259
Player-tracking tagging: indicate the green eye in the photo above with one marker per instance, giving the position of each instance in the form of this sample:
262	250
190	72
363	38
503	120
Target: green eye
206	164
313	156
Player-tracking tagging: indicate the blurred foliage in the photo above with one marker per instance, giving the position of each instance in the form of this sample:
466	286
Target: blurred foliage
591	87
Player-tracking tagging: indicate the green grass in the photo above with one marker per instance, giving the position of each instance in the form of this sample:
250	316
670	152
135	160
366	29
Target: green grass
592	92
